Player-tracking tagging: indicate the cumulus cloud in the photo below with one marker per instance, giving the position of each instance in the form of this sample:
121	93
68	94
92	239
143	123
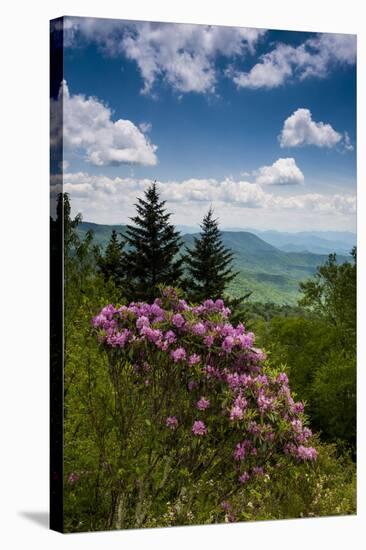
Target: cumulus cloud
300	129
313	58
88	126
192	190
282	172
181	55
101	193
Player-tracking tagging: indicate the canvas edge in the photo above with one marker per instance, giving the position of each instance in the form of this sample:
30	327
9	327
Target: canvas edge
56	516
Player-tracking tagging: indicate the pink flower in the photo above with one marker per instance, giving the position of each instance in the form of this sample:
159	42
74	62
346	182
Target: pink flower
264	402
236	413
297	407
246	340
228	344
199	428
282	378
203	404
154	335
178	320
306	453
142	322
240	402
244	477
178	354
118	339
199	329
194	359
262	379
240	451
157	311
226	330
208	340
170	337
258	471
171	422
183	306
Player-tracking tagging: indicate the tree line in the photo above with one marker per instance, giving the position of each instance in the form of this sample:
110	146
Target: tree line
151	254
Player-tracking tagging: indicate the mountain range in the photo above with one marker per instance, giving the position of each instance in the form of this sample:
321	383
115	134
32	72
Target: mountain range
270	265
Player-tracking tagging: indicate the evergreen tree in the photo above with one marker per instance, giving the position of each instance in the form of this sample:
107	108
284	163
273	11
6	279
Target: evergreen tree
111	262
153	246
209	263
70	224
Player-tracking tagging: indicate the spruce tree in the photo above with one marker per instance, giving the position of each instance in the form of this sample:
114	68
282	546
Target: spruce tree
111	262
209	263
153	244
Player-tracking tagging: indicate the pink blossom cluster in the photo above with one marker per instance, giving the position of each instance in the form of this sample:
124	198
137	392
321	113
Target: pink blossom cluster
203	404
221	372
172	422
199	428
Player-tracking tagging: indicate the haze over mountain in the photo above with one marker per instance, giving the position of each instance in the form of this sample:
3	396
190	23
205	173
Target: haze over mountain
319	242
271	273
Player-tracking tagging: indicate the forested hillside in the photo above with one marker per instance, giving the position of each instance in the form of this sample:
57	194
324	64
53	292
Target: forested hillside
270	274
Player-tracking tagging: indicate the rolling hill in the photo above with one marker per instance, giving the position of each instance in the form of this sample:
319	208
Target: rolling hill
319	242
270	273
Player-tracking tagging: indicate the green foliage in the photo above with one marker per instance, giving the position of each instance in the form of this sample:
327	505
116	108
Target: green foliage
301	344
258	314
320	370
153	245
332	294
320	350
333	397
327	489
111	262
209	263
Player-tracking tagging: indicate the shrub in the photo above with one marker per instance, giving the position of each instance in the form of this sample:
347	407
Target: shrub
192	399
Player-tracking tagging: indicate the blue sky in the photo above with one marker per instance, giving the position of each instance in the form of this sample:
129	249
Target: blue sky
260	124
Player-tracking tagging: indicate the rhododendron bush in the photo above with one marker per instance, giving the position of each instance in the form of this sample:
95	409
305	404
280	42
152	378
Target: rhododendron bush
195	400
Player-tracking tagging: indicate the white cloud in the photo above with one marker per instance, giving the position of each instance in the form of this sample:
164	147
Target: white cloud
181	55
101	196
315	202
282	172
88	126
300	129
192	190
347	142
226	191
145	127
313	58
271	72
